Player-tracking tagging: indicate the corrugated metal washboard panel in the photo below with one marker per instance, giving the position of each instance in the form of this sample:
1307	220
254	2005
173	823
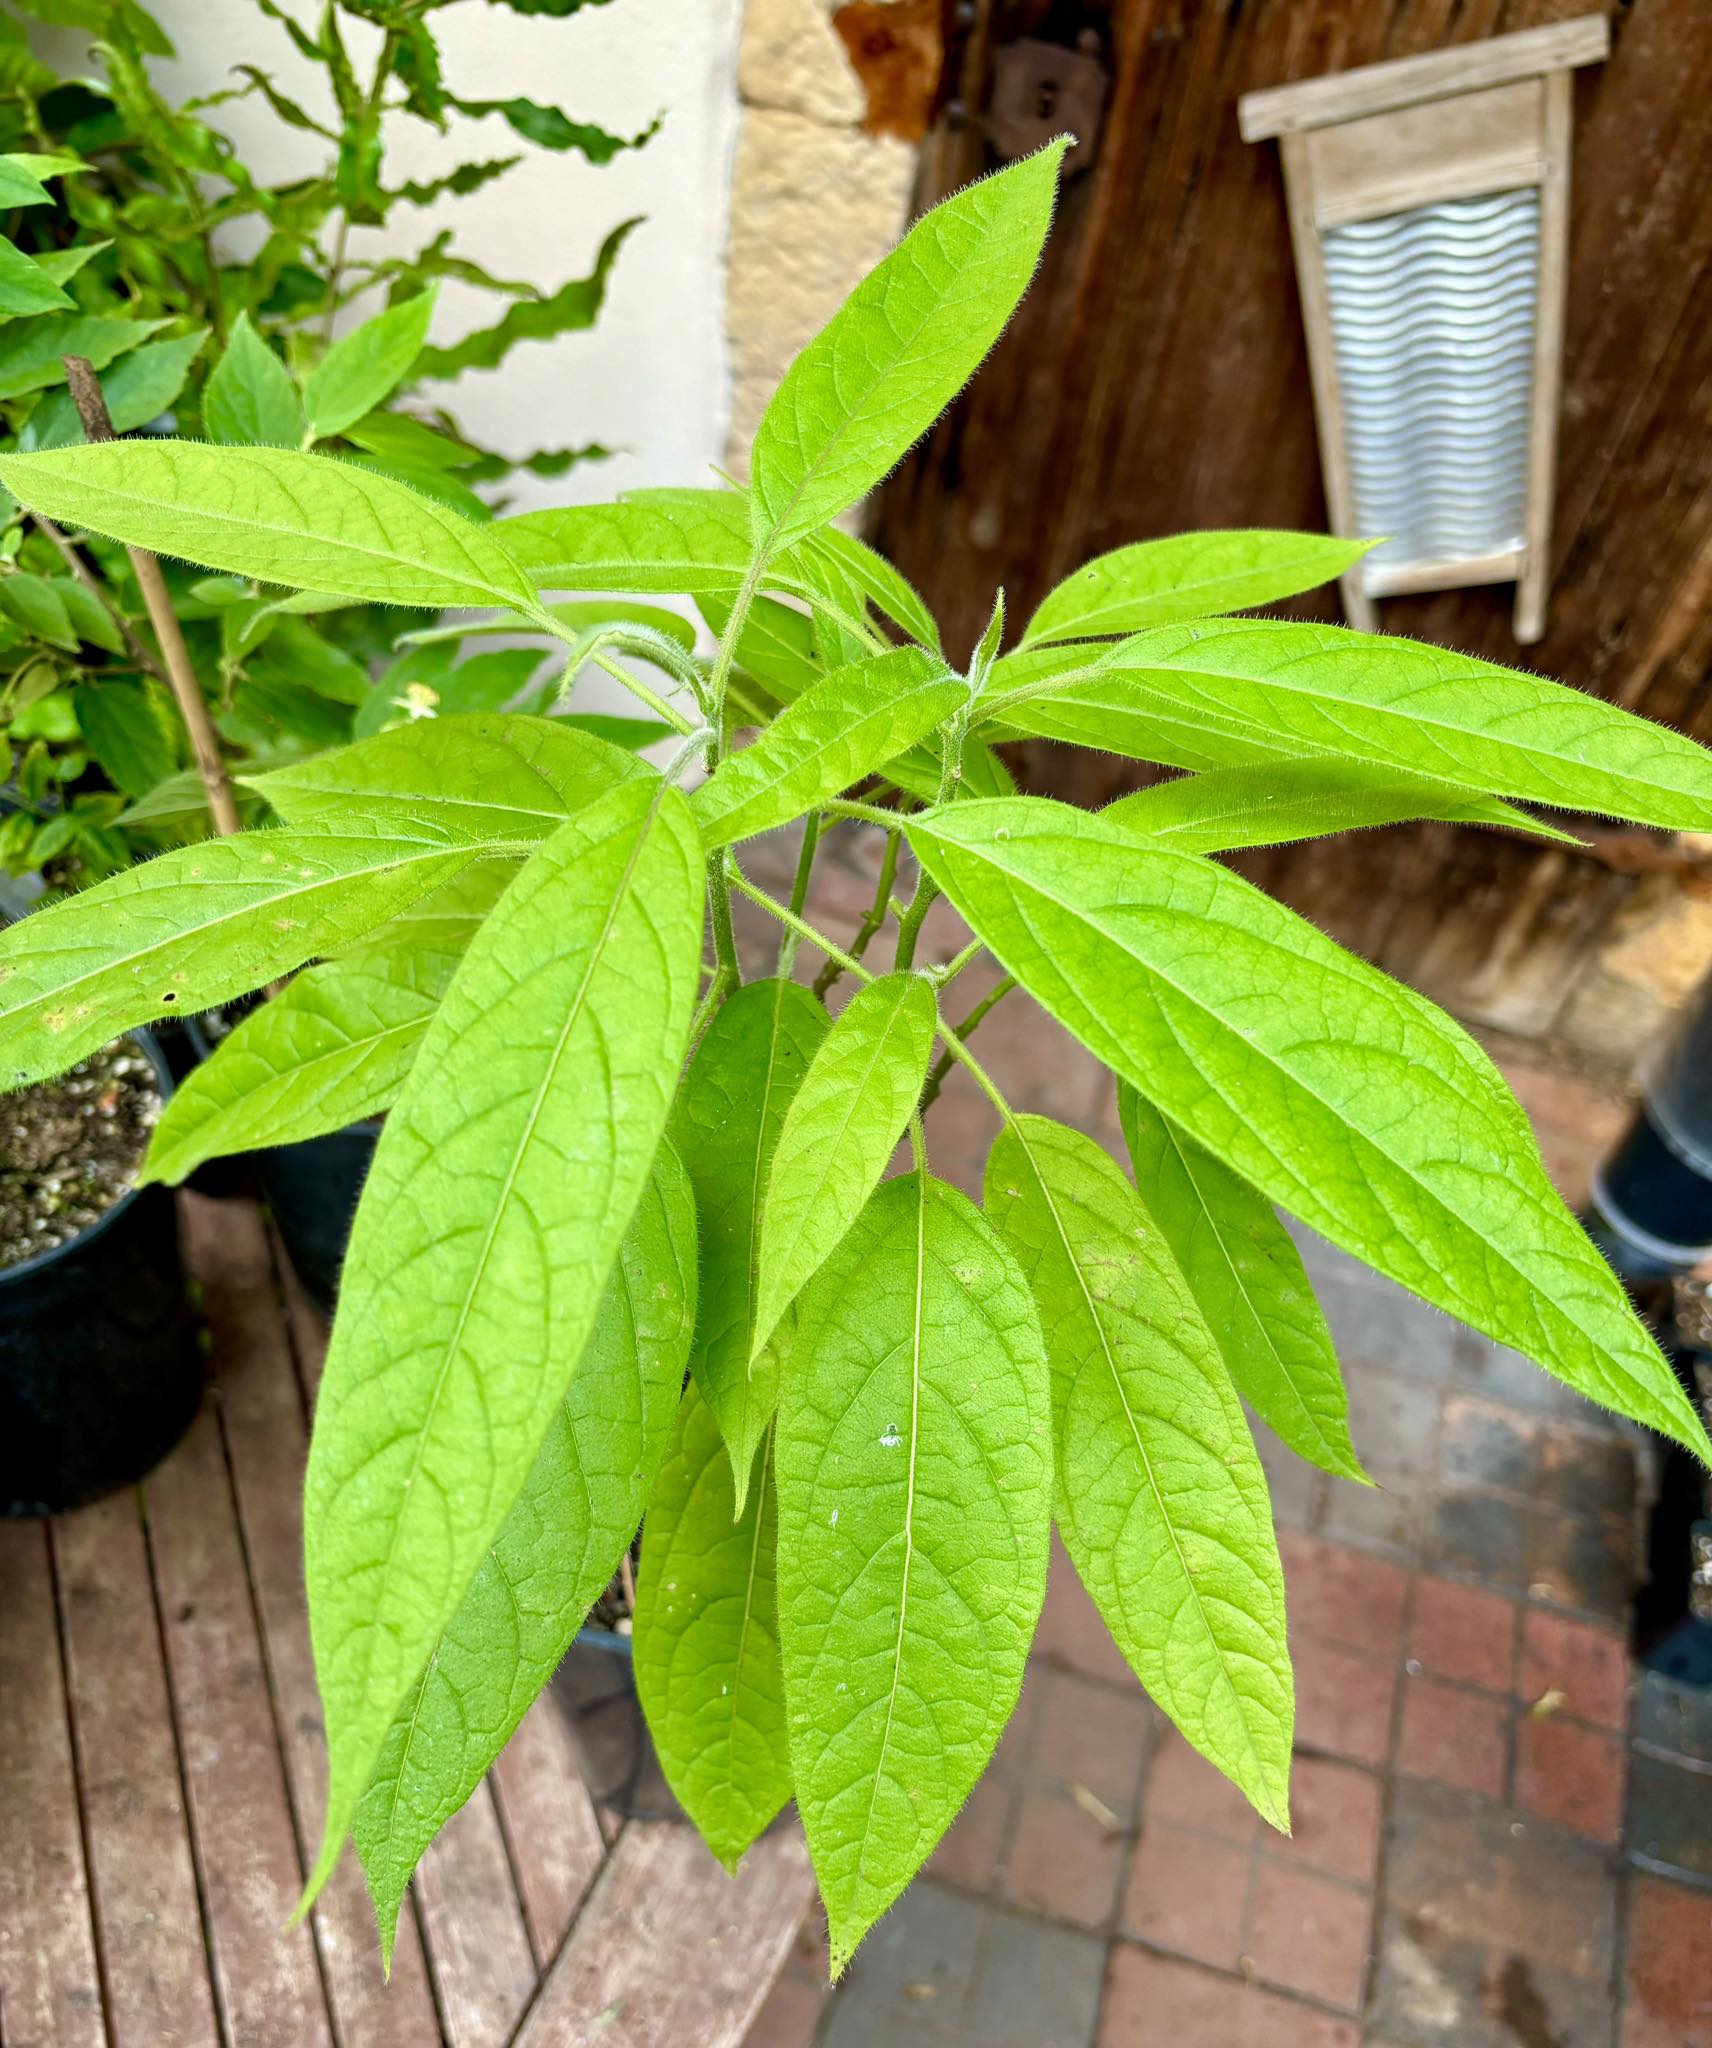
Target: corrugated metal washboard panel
1432	316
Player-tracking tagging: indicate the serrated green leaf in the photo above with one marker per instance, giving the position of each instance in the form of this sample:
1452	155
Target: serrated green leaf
138	388
913	1451
1160	1497
131	732
505	1177
898	350
1349	1099
1187	576
363	369
485	775
25	287
1321	690
38	607
249	400
841	1128
1248	1282
571	308
839	731
552	128
32	351
707	1638
557	1552
306	521
197	927
332	1048
1275	803
726	1124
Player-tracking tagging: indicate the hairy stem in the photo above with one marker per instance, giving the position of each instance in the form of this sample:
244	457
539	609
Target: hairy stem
640	690
872	918
790	940
961	1033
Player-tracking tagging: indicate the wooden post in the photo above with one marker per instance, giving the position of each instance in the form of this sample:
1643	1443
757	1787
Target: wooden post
204	744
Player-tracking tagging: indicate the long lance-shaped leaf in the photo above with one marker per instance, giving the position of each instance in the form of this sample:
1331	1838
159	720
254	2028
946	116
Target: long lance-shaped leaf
884	587
307	521
504	1180
1187	576
837	733
726	1125
556	1553
707	1638
1347	1098
1283	801
913	1451
842	1127
481	774
1160	1496
898	350
365	366
1323	690
332	1048
201	925
1248	1282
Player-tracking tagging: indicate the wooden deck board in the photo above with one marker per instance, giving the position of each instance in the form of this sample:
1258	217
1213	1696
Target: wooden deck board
477	1944
557	1846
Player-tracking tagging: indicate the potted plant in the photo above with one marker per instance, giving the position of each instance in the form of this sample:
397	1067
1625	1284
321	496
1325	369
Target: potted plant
607	1157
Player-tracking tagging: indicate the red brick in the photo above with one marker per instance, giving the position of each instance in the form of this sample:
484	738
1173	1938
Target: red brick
1155	2002
1334	1816
971	1851
1568	1773
1459	1738
1668	1998
1185	1788
1343	1701
1463	1633
789	2016
1187	1893
1341	1595
1063	1862
1071	1634
1588	1665
1308	1934
1093	1735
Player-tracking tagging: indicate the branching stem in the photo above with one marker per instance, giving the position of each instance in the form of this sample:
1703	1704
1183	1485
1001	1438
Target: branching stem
872	918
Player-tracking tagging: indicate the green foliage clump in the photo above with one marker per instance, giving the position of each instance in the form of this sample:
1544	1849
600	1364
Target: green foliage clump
608	1161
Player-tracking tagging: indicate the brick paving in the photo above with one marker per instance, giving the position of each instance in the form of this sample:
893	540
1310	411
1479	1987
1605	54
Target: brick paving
1502	1831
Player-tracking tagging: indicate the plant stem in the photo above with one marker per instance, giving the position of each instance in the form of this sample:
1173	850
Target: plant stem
962	1032
799	893
719	880
909	925
957	1051
169	635
639	689
727	655
872	918
870	814
97	589
955	966
797	924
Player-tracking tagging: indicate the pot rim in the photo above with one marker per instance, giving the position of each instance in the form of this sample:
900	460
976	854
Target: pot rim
26	1269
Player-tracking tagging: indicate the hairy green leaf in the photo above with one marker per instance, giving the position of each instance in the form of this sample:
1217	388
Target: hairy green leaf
899	350
32	351
249	400
1346	1097
1160	1496
1249	1284
1187	576
840	1130
556	1553
707	1638
282	517
914	1463
839	731
775	646
726	1125
199	926
642	545
366	366
505	1178
883	586
332	1048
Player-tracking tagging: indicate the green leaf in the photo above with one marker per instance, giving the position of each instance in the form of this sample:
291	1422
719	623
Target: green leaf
280	517
38	607
1321	690
1347	1098
25	287
552	128
1276	802
899	350
914	1464
364	368
580	615
883	586
488	682
1187	576
31	351
138	388
1160	1496
707	1638
1247	1279
505	1178
725	1126
131	732
842	729
571	308
90	619
301	654
556	1553
775	645
840	1130
23	177
486	775
640	544
331	1048
198	926
249	400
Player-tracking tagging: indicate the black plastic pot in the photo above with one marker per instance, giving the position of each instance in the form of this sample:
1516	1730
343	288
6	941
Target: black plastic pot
100	1370
595	1689
312	1190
